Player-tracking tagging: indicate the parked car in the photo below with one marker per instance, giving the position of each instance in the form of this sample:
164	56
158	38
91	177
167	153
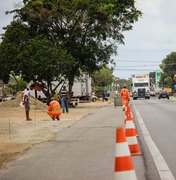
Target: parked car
85	98
8	97
163	94
101	98
152	93
74	101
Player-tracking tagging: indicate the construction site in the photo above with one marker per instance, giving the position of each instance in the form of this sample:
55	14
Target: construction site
17	135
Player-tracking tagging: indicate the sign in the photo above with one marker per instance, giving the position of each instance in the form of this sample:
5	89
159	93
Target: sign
157	76
141	76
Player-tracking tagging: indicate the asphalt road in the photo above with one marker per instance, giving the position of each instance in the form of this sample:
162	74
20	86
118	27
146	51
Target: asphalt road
159	117
84	151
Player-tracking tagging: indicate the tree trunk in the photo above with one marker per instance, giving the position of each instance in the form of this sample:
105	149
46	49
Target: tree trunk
70	86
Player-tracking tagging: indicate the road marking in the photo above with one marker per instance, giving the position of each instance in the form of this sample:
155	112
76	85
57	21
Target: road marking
162	167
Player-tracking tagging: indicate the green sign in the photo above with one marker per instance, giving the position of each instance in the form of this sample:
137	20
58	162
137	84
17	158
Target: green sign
158	76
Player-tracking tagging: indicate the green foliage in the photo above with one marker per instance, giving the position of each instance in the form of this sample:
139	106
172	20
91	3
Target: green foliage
13	44
34	58
19	85
102	79
169	70
85	27
121	82
53	38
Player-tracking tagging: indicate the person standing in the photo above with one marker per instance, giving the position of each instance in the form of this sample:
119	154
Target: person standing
54	109
26	101
125	95
64	99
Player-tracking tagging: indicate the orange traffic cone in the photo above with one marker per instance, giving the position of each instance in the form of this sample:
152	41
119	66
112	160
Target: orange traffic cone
124	168
134	125
131	134
129	116
128	112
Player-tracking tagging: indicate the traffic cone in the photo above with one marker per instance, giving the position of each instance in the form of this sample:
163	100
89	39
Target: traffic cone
128	112
124	168
130	132
129	116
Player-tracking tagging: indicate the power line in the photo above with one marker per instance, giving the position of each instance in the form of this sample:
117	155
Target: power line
146	51
140	66
148	65
135	61
119	69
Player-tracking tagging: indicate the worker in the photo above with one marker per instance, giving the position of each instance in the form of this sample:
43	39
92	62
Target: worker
54	109
125	95
26	101
64	99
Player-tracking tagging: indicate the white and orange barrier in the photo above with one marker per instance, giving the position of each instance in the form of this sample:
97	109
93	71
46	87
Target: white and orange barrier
124	168
130	132
128	113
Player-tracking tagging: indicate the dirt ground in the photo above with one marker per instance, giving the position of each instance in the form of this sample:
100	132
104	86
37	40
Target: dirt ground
18	135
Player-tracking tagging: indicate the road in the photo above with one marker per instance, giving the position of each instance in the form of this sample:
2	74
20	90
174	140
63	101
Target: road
159	117
86	150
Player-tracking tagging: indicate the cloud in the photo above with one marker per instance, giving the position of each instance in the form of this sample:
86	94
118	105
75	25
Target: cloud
156	28
167	11
149	6
152	38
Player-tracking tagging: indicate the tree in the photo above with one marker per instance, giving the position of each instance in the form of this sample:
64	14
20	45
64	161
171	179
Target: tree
102	79
121	82
169	70
35	58
19	85
89	30
13	43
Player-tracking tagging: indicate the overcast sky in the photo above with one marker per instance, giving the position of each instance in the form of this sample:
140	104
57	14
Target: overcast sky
151	40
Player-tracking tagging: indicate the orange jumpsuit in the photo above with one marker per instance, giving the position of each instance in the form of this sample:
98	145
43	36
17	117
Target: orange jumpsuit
125	95
54	109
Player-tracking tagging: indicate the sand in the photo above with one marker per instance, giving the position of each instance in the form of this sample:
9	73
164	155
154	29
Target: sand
18	135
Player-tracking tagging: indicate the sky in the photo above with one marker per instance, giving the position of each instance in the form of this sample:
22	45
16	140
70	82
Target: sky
146	45
153	37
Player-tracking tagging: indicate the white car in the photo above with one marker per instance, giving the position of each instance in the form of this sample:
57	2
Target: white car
152	93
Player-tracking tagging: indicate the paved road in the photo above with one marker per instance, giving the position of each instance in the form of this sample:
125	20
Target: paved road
85	151
159	117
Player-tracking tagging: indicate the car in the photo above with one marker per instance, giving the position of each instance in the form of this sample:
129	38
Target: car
152	93
101	98
74	101
84	98
163	94
8	97
93	98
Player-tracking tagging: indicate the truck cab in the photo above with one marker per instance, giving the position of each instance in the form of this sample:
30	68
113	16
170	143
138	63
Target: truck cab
140	87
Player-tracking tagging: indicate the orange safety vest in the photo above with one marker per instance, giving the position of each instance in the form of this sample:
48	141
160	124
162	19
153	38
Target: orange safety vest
54	106
124	93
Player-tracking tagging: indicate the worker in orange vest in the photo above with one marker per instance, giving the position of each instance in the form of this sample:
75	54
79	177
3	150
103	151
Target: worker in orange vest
125	95
54	109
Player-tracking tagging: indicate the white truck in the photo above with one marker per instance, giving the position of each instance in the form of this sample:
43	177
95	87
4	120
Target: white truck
140	86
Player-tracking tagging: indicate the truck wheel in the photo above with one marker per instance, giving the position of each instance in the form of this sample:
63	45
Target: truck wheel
94	100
